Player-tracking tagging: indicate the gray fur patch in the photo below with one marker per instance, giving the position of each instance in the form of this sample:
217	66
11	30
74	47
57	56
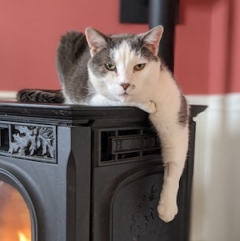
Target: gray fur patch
163	65
135	43
147	54
72	57
98	61
183	112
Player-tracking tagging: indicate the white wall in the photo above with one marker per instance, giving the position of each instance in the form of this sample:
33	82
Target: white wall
216	188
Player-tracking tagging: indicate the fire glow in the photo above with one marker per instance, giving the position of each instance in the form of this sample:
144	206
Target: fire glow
15	222
22	237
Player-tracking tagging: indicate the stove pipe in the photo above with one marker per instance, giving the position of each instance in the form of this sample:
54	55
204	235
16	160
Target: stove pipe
163	12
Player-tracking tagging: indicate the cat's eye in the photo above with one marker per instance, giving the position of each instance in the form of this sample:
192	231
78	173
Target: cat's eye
139	67
110	67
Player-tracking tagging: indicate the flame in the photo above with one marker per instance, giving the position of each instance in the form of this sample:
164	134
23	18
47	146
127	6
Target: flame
22	237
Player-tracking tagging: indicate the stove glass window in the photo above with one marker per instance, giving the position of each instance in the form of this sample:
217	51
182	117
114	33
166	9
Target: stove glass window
15	221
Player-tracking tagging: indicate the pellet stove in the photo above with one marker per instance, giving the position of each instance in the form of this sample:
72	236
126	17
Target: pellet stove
75	173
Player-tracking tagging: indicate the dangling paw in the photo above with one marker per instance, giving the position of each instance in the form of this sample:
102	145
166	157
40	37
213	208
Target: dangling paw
167	211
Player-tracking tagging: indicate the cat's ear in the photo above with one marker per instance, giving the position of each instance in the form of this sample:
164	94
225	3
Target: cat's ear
152	38
96	40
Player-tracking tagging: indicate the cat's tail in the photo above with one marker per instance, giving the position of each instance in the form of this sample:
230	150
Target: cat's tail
40	96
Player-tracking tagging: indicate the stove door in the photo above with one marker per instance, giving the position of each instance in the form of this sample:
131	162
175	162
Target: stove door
15	214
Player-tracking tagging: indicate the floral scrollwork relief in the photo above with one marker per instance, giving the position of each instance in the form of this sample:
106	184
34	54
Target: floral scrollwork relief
33	141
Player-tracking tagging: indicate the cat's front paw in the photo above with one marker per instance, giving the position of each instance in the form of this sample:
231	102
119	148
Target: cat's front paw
149	107
167	211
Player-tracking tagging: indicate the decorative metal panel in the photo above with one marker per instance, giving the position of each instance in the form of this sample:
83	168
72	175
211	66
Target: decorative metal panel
135	208
28	141
126	145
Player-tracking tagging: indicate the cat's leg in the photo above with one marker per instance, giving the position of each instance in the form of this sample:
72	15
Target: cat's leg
174	151
174	144
99	100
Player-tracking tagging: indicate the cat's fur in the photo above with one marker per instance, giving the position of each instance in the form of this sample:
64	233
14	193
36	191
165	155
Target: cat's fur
125	69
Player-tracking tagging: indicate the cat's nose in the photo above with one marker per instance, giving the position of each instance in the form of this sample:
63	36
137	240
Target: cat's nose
125	86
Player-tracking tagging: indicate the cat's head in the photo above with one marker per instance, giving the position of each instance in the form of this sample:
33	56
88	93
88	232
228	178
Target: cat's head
123	67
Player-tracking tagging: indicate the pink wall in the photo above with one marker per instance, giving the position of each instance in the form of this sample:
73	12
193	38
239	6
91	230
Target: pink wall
192	46
224	72
206	56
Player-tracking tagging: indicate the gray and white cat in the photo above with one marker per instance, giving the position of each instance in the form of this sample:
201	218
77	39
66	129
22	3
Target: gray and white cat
125	69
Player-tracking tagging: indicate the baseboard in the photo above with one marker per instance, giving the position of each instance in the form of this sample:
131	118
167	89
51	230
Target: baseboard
8	95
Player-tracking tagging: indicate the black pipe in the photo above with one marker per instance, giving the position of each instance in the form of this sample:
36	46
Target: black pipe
163	12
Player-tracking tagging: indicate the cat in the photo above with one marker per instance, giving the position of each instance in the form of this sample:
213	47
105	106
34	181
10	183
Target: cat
125	69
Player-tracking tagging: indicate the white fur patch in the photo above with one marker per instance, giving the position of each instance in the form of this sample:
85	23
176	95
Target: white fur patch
125	59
